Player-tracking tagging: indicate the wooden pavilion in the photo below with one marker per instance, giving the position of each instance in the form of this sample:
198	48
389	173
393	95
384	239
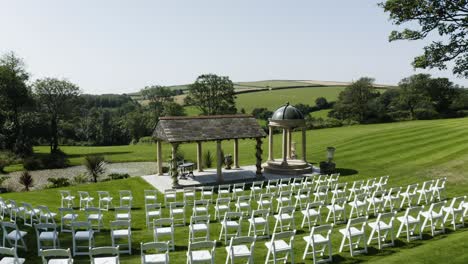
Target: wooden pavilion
181	129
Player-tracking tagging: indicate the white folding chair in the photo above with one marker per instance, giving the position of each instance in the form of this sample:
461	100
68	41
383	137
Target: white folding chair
308	182
13	235
370	186
189	195
222	205
411	221
426	192
201	252
121	230
337	208
199	224
259	224
45	215
381	185
285	219
272	186
439	188
312	214
164	227
200	207
207	193
256	188
224	190
237	190
321	194
177	212
151	196
281	243
126	198
243	205
105	200
14	210
67	200
284	185
383	225
56	256
358	205
265	201
339	190
46	233
284	199
296	183
154	253
455	211
409	194
94	217
376	201
170	196
82	231
123	213
30	215
9	256
152	211
67	216
231	222
302	198
85	200
392	198
355	229
111	255
433	217
237	249
318	241
356	188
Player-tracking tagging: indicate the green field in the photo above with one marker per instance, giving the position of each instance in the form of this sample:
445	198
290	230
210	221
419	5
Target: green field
409	152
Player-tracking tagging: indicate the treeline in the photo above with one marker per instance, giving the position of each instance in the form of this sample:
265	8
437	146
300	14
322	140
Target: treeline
417	97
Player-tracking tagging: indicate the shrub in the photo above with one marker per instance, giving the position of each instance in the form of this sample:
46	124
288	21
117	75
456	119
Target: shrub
55	160
425	114
3	179
26	180
32	163
208	159
58	182
118	176
96	165
146	141
80	178
6	159
165	169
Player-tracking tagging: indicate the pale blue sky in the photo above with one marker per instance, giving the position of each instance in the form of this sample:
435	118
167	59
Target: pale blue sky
121	46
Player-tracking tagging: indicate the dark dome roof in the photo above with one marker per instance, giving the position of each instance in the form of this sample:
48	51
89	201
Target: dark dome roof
287	112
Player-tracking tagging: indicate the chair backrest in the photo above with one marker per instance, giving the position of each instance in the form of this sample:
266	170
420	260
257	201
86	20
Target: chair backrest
243	198
8	226
266	196
243	240
205	219
56	252
122	209
188	190
93	210
104	251
357	222
228	216
370	182
305	191
285	194
154	206
437	207
80	225
287	210
360	197
28	207
322	189
341	186
45	226
158	246
384	179
239	186
285	180
176	205
83	194
65	193
457	202
427	185
317	205
201	202
412	188
260	213
202	245
357	184
324	230
377	194
103	194
8	252
119	224
386	218
273	182
258	184
222	201
394	191
413	211
207	188
225	187
163	222
441	182
286	235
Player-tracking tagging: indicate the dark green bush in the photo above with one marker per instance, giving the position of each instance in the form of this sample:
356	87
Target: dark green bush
32	163
55	160
208	159
6	159
119	176
425	114
58	182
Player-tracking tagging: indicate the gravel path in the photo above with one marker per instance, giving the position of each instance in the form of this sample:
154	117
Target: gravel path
40	176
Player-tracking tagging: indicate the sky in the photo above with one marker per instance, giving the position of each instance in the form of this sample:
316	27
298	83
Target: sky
112	46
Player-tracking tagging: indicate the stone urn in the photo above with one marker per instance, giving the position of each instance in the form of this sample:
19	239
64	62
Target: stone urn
228	161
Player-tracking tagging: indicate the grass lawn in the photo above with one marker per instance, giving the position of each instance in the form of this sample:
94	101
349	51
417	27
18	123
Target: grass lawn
321	114
409	152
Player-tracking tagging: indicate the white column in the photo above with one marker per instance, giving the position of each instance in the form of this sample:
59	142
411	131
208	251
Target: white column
304	144
219	162
285	147
289	143
270	143
236	153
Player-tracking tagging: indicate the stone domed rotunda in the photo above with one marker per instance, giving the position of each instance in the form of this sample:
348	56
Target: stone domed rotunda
287	118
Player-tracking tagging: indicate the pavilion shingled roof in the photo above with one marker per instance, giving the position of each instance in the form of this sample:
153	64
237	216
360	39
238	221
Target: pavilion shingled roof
207	128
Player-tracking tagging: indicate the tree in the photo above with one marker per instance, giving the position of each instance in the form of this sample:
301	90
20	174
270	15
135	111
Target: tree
56	96
447	18
353	102
14	99
321	102
213	95
413	93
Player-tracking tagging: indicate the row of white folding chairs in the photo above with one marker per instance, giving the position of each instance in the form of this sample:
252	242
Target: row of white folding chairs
104	199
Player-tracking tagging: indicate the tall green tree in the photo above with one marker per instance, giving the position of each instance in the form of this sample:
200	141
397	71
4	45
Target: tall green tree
413	92
446	18
353	102
15	97
56	96
213	95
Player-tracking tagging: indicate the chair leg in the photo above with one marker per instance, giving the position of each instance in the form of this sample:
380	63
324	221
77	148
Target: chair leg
342	243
